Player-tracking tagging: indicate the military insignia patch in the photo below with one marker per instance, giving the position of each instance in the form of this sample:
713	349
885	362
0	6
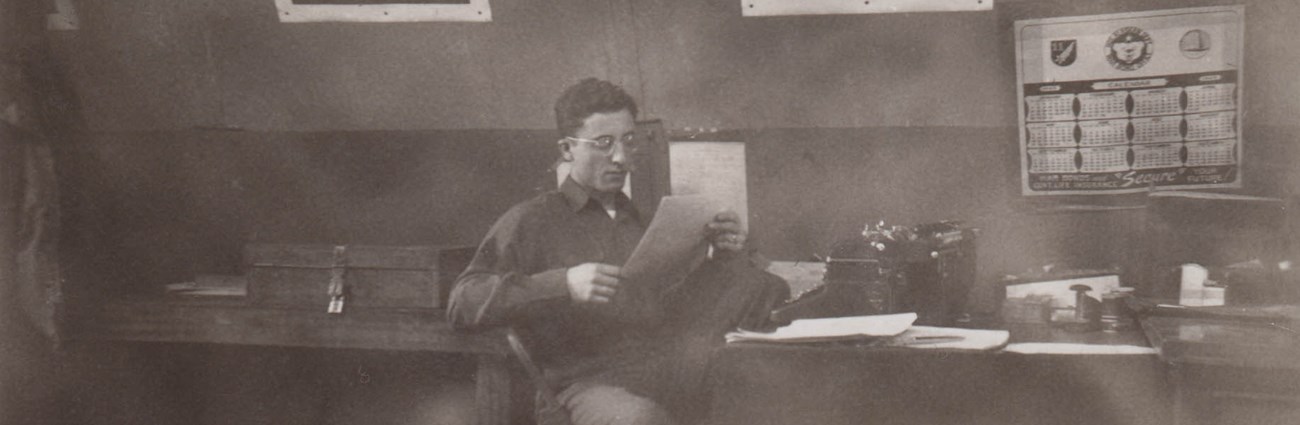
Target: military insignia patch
1064	52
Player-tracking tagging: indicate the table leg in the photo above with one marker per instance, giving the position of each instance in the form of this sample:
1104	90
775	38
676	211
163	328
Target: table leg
1182	394
492	392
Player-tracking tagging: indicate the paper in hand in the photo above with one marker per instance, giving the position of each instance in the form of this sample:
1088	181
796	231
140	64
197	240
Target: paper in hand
675	241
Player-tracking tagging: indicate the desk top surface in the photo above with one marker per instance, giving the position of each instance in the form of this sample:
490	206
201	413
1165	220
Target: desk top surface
1019	333
234	322
1217	342
767	383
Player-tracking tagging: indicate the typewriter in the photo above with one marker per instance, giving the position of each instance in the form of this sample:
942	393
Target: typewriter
927	269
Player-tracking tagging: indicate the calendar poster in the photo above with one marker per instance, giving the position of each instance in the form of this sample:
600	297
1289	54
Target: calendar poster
1130	102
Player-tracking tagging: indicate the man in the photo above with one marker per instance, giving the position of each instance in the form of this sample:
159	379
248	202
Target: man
618	351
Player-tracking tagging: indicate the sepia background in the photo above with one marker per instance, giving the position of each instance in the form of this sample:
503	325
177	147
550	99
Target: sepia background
192	128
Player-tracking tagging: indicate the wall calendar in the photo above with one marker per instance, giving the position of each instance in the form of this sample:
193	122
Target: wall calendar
1130	102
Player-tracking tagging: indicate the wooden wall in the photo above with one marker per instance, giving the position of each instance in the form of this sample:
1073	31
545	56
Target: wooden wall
210	124
158	65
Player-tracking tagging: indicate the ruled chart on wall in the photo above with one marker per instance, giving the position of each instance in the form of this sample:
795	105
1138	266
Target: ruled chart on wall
1130	102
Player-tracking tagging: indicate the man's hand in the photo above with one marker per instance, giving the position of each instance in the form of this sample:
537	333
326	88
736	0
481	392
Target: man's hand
593	282
725	232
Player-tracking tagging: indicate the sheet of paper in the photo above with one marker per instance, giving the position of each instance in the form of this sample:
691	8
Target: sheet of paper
1071	348
831	329
713	169
674	242
951	338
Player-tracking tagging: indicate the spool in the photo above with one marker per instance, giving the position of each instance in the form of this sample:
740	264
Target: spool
1115	314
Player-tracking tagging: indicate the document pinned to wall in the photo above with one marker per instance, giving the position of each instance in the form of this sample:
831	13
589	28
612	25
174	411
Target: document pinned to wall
712	169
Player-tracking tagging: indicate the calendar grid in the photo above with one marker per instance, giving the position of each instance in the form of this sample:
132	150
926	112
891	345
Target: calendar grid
1104	105
1211	97
1216	152
1157	129
1050	108
1052	160
1210	126
1103	133
1104	159
1157	156
1142	130
1051	135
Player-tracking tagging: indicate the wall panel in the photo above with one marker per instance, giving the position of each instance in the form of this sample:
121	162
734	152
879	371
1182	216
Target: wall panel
157	65
150	208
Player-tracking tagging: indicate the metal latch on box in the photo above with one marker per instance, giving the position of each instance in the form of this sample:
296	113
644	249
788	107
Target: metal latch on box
337	289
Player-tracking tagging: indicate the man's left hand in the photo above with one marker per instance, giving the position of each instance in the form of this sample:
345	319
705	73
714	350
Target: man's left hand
725	232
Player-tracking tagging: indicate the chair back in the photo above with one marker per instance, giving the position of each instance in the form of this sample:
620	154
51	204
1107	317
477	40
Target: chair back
549	409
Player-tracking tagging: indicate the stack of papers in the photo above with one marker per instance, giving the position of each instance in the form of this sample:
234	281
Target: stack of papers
831	329
887	330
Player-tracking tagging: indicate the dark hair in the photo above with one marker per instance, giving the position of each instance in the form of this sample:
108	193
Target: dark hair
587	97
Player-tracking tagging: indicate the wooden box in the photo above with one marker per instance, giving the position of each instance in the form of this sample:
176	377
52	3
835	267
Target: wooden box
369	277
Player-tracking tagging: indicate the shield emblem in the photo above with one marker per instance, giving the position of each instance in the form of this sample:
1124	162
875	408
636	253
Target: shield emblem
1064	52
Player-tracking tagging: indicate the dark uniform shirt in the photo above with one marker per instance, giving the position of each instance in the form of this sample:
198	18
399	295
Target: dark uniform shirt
518	278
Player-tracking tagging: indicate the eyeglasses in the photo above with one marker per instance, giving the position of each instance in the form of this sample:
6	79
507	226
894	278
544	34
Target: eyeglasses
606	143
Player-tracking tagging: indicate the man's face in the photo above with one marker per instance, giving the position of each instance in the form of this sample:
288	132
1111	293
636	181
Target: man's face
603	171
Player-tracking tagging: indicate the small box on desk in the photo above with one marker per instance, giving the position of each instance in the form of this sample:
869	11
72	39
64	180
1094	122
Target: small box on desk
309	276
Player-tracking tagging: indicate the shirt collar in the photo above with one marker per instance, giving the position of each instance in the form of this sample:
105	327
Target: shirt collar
578	197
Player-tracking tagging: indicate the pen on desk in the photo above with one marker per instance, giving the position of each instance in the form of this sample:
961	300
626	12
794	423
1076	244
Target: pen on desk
933	339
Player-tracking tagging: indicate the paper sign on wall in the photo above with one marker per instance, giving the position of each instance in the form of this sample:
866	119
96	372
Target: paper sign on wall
714	169
383	10
838	7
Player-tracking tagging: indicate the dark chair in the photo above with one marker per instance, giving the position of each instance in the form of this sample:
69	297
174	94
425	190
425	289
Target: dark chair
548	409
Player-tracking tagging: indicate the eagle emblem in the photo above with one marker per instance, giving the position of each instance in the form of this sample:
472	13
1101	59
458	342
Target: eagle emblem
1129	48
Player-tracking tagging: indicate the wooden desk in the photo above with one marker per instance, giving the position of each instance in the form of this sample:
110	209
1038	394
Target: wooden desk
232	321
843	384
1229	371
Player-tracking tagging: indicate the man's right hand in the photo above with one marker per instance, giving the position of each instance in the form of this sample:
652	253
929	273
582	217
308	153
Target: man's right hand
593	282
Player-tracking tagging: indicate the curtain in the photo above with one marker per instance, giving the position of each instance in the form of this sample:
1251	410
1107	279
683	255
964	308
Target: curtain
31	114
32	290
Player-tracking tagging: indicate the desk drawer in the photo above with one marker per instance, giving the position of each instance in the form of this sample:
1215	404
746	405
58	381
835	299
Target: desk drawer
305	276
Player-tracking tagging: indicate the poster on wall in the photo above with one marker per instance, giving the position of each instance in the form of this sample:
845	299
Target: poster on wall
1130	102
290	11
713	169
